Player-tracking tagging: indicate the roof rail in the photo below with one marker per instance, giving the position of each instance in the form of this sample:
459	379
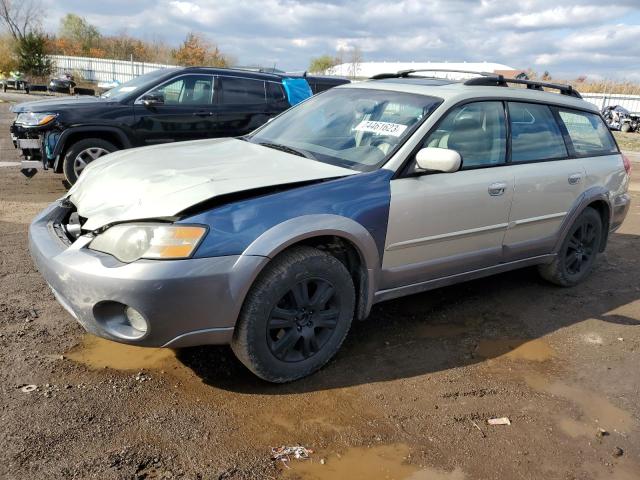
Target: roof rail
494	80
406	73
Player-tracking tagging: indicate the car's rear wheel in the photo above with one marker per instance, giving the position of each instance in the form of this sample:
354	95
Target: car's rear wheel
296	315
625	128
578	252
81	154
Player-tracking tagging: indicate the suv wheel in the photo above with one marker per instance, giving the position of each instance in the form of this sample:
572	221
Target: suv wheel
578	253
81	154
296	315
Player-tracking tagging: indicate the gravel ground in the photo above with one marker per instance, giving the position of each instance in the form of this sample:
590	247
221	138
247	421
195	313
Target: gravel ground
408	396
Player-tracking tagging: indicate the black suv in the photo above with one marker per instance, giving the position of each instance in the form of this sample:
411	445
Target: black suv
166	105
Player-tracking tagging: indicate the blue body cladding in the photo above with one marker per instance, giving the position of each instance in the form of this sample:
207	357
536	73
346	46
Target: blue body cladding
362	197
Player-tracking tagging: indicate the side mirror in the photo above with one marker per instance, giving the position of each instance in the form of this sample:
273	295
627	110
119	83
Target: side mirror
438	160
152	99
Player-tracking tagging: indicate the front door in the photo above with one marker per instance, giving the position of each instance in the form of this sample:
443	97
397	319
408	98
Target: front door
187	111
442	224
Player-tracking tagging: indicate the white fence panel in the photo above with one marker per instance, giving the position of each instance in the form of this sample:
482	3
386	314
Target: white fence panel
601	100
103	69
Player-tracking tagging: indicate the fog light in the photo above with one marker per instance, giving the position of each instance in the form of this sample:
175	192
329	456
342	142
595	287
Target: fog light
136	320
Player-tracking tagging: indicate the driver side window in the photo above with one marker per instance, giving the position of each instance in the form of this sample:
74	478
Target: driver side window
186	90
476	131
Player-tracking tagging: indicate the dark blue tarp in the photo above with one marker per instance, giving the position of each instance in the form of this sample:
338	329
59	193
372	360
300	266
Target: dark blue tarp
297	89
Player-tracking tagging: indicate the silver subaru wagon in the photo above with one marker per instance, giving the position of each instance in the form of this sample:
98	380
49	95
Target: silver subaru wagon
275	242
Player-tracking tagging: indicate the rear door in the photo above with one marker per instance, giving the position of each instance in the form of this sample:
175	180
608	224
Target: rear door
548	181
187	111
242	105
442	224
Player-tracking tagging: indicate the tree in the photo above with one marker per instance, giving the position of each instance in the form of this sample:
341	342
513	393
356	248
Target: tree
355	59
322	63
32	55
8	60
79	32
20	16
197	51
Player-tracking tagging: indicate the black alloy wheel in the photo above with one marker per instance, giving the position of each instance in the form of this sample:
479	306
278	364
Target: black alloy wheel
303	320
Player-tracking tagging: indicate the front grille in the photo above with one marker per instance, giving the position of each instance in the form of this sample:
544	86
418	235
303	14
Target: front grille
67	224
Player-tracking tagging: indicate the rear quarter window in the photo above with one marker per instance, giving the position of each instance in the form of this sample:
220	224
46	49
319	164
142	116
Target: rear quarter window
589	134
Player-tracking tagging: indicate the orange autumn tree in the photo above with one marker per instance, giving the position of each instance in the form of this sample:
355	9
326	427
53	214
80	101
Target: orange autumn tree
198	51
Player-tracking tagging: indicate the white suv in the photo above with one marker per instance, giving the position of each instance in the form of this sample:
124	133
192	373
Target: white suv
276	241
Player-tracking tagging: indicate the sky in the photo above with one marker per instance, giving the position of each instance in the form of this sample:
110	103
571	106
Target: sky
595	38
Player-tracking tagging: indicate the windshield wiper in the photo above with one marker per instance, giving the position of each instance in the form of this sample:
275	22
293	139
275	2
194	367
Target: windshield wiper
287	149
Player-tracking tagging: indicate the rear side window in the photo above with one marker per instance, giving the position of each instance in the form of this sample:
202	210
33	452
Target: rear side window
275	92
588	133
535	134
241	91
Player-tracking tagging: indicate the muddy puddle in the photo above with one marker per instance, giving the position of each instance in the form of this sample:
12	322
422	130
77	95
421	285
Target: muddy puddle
515	349
385	462
96	353
597	411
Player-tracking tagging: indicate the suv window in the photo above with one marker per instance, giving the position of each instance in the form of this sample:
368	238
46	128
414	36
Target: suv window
241	91
535	134
476	131
187	90
588	133
275	92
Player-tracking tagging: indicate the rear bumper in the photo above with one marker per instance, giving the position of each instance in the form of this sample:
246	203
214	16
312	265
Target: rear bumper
185	302
620	209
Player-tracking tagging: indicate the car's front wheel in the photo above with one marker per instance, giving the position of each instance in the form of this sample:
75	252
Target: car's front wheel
578	252
296	315
81	154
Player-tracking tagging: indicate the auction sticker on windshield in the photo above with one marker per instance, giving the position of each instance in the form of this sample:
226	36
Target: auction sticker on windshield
381	128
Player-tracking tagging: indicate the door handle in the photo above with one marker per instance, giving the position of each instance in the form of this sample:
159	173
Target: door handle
575	178
497	189
203	114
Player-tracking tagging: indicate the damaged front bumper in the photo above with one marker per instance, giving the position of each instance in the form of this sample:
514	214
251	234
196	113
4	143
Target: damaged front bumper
184	302
36	145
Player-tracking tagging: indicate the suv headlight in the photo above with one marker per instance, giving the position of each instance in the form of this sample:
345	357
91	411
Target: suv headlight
32	119
130	242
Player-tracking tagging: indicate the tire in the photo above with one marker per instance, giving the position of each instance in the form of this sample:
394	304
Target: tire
279	336
81	153
626	128
578	252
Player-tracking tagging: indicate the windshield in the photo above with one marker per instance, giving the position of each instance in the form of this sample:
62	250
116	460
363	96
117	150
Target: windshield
356	128
138	83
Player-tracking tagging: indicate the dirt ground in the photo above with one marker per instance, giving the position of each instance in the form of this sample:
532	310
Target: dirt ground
408	396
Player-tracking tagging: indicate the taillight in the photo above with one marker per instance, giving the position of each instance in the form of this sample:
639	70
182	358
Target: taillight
627	164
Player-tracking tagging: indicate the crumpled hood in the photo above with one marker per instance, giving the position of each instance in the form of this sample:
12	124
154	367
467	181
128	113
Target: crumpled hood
163	180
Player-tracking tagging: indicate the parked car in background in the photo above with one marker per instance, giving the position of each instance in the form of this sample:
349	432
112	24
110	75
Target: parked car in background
275	242
619	118
163	106
65	83
15	81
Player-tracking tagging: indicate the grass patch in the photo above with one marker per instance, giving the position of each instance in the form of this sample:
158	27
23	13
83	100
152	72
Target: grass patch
629	142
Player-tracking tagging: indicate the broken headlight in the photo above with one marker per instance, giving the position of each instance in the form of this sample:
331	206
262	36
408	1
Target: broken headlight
130	242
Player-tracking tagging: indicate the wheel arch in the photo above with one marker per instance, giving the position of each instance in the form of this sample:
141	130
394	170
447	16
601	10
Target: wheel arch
70	136
596	198
342	237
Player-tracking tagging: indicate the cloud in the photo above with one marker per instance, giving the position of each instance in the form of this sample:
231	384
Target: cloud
567	39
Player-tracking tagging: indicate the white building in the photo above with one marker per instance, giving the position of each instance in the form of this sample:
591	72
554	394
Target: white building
369	69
